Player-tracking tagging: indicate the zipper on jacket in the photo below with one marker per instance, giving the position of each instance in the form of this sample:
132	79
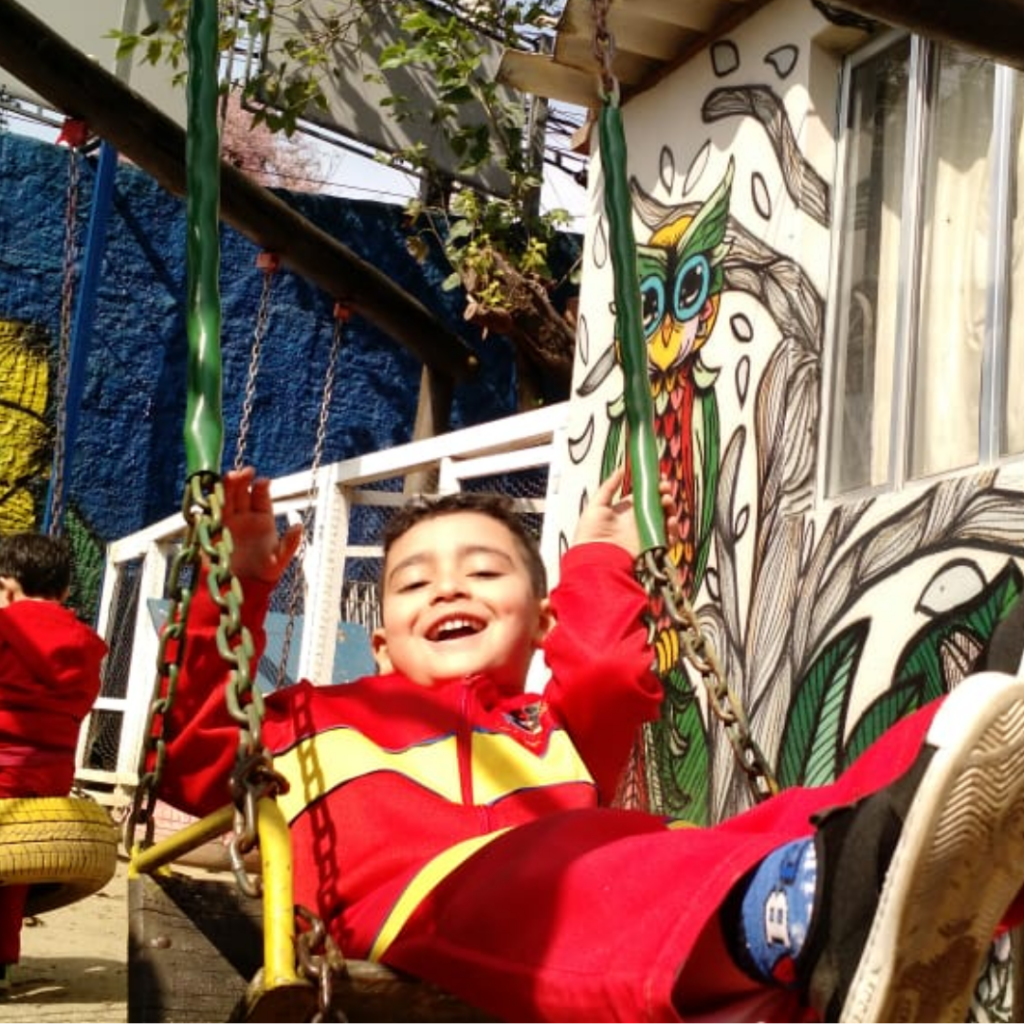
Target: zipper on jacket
465	745
465	754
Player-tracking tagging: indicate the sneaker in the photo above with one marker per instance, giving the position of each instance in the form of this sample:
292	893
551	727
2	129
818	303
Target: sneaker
941	852
6	970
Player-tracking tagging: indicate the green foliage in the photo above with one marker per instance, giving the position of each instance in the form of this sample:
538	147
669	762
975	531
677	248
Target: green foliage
435	41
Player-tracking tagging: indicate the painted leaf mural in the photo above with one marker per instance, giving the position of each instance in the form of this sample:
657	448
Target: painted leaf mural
685	776
814	730
934	660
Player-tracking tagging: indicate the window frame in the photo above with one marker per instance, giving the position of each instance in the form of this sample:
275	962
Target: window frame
923	69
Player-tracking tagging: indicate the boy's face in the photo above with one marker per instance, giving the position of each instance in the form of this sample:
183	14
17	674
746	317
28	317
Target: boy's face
457	600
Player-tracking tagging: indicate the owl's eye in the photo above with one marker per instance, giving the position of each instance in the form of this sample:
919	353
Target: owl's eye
693	282
652	303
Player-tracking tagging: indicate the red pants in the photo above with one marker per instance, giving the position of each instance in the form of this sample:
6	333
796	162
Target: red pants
610	915
23	782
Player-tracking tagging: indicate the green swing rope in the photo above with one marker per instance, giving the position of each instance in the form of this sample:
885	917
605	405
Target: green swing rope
656	571
204	433
632	347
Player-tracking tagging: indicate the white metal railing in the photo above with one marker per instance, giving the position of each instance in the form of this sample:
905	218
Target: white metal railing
137	567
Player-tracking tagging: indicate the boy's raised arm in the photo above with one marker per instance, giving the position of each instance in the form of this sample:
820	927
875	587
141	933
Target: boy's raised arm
602	682
202	737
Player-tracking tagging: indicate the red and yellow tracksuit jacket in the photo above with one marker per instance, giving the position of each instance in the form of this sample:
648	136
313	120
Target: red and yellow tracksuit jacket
392	784
49	680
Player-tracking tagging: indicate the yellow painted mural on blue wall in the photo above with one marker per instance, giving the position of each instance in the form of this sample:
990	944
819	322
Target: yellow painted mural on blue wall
25	435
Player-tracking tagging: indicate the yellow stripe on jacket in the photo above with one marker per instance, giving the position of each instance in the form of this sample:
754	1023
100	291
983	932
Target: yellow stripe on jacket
500	766
425	880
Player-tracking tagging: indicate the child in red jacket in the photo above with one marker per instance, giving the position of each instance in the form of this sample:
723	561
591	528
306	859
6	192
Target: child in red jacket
49	679
448	824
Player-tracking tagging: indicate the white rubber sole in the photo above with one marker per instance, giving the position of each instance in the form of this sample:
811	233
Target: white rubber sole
958	864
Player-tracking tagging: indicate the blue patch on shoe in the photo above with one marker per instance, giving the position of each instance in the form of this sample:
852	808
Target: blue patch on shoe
776	910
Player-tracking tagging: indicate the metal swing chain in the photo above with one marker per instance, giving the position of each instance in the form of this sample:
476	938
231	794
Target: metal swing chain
319	967
657	573
170	653
661	578
253	776
341	317
67	298
319	958
202	508
268	262
603	44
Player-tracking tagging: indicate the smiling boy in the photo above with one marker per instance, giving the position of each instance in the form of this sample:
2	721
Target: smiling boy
455	609
447	823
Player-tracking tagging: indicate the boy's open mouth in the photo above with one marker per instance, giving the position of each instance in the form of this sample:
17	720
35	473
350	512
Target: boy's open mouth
454	629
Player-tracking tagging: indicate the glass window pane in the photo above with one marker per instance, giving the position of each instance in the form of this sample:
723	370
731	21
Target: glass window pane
868	273
955	272
1013	441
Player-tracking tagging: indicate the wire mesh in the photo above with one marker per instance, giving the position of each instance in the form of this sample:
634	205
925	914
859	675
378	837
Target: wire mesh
360	597
103	737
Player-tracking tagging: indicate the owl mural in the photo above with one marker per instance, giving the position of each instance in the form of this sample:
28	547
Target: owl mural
681	278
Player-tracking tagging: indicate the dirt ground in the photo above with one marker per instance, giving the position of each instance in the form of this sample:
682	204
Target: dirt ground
74	961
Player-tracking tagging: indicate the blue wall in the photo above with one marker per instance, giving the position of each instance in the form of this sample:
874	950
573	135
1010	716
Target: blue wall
128	461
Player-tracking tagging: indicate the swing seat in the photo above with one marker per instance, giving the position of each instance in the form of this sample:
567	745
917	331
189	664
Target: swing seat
63	848
195	950
365	992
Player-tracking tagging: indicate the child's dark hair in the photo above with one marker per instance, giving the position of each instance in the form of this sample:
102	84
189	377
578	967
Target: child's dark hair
41	564
497	506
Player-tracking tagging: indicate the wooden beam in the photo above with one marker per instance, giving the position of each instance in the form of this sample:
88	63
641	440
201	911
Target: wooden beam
75	85
993	29
433	417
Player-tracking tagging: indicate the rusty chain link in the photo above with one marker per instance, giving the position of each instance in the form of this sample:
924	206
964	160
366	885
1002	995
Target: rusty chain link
341	317
660	578
254	777
604	50
321	961
171	650
268	263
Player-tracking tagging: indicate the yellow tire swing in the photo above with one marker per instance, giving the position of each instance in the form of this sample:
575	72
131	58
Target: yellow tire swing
64	848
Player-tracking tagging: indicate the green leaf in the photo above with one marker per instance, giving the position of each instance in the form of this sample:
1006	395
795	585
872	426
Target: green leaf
418	21
936	658
460	229
811	742
457	95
